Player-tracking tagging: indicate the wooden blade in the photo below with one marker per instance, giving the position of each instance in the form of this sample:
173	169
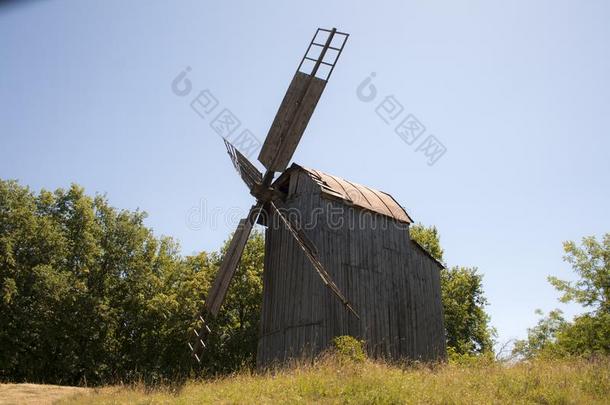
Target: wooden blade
247	171
310	251
230	261
290	121
225	274
299	103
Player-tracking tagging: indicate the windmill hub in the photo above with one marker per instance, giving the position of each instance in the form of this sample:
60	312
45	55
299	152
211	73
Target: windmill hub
266	193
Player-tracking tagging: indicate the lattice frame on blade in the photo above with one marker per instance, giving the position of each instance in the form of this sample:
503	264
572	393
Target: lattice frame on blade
319	60
201	336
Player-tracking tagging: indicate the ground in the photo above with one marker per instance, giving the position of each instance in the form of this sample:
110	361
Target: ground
37	394
574	381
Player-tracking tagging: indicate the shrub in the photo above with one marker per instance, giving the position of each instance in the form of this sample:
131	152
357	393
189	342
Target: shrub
469	359
349	348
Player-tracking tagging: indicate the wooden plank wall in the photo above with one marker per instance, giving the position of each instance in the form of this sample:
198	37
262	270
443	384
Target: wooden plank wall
393	285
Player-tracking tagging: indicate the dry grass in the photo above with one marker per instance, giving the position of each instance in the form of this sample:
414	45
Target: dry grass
540	382
35	393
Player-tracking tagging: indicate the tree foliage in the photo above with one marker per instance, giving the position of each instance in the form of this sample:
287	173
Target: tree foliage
429	239
466	322
89	295
591	263
542	336
587	334
464	302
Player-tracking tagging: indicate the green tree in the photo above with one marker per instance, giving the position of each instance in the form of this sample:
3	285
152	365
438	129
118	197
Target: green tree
587	334
591	263
429	238
466	322
464	302
89	294
542	336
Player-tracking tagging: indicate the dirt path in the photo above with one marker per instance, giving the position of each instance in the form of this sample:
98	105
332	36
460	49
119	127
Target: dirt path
35	393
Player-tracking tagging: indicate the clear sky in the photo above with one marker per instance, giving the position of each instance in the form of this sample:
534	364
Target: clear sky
517	92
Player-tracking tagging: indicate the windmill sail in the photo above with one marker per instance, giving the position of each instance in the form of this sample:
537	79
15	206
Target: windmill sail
247	171
301	99
230	261
225	274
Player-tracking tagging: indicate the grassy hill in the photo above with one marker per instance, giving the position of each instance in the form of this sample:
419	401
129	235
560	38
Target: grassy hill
332	381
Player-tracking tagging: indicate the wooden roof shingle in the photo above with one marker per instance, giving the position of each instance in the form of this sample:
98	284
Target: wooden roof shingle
356	194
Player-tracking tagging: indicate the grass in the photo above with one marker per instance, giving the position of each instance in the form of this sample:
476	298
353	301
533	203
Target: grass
572	381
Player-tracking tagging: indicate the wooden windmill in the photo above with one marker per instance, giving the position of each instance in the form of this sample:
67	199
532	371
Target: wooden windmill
393	284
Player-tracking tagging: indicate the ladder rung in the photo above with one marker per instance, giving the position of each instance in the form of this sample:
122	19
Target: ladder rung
202	344
315	60
191	347
201	319
208	328
197	357
322	45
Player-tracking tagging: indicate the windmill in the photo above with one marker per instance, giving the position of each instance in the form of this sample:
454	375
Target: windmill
284	135
392	282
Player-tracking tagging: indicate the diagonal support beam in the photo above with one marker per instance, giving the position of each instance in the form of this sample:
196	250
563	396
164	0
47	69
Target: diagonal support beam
310	251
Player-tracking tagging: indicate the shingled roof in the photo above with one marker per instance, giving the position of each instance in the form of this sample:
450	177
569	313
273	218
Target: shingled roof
356	194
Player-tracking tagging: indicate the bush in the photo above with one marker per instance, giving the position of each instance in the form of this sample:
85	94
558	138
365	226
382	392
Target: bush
349	349
469	359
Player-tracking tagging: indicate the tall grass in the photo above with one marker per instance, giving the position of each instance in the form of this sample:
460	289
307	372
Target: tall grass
331	381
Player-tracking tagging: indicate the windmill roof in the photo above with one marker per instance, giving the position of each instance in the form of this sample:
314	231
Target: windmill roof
357	194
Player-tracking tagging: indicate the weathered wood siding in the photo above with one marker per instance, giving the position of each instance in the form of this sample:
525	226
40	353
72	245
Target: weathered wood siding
393	285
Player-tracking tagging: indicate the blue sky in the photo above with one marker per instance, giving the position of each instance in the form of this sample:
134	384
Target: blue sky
517	92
